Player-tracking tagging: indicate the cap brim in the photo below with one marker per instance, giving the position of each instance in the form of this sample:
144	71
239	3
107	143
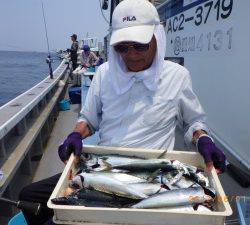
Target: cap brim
142	34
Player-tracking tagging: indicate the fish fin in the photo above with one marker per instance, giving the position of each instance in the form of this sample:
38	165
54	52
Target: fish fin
74	185
82	180
153	175
176	178
195	206
104	158
157	192
96	165
210	191
107	166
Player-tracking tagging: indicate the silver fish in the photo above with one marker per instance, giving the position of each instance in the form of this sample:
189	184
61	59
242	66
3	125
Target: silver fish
175	180
185	183
123	177
93	198
180	166
192	172
147	188
116	159
179	197
142	164
199	178
143	175
98	162
107	184
94	162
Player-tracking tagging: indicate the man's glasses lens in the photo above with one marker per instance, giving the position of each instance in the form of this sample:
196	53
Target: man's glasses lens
141	47
123	48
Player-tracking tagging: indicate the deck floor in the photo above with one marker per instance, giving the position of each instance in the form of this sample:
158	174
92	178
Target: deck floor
50	163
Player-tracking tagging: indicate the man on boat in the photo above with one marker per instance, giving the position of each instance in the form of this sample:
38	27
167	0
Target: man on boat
88	59
73	51
137	98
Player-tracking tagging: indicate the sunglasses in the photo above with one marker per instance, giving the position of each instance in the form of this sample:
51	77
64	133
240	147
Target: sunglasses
123	48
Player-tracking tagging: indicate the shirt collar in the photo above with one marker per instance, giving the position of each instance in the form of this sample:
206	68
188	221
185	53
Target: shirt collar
125	79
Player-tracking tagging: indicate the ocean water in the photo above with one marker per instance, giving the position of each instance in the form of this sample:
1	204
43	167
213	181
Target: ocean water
19	71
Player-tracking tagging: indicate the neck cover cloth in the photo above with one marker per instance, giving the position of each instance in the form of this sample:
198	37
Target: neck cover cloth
122	79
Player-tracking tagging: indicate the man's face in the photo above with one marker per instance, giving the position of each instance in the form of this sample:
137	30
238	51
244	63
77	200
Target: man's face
136	56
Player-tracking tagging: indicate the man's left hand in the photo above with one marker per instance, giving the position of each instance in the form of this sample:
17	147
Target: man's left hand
211	154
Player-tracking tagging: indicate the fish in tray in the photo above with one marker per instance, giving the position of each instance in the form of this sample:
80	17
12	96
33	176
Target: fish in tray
122	177
141	165
93	198
98	162
151	183
199	178
192	172
148	188
117	162
152	165
110	162
179	197
175	180
111	183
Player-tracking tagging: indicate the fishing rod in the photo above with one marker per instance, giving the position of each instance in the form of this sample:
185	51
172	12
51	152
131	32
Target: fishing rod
48	59
30	207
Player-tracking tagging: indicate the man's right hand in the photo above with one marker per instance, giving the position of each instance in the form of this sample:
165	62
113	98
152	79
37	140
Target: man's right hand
73	143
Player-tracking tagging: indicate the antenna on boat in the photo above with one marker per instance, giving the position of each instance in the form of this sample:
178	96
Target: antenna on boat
48	59
104	6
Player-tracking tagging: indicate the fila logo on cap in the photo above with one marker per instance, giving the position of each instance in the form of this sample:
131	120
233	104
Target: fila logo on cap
128	18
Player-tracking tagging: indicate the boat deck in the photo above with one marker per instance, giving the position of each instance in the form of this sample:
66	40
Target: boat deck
50	163
64	125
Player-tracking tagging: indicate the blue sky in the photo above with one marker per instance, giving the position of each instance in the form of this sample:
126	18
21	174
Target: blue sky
22	28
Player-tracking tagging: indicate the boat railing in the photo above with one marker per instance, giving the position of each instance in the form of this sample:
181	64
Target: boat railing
25	125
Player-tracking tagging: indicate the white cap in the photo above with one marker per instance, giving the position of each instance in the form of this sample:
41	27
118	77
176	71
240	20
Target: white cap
134	20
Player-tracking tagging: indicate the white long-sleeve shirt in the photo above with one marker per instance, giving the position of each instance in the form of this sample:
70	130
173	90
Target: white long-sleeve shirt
141	116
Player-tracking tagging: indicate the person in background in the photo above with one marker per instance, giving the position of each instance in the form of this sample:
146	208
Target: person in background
73	51
88	58
137	98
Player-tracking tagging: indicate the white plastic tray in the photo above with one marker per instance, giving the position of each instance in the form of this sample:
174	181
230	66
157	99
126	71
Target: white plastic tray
65	214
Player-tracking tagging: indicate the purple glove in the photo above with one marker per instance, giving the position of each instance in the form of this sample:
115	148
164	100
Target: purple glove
211	154
73	143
